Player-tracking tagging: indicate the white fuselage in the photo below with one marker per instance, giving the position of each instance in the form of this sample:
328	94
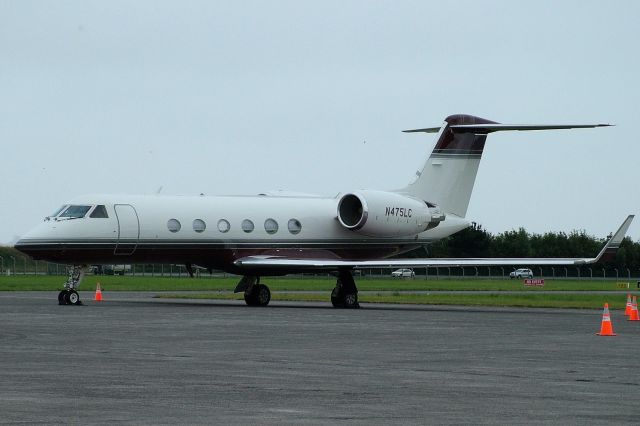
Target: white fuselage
213	231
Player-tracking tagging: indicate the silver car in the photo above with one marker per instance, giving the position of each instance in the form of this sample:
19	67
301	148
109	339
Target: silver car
403	273
521	273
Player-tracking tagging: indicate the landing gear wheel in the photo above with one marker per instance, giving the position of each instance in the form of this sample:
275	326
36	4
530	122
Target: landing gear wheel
345	293
336	298
257	295
62	297
351	301
250	297
71	297
263	295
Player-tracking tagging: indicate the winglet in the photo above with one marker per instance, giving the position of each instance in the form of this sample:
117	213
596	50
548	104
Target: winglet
611	248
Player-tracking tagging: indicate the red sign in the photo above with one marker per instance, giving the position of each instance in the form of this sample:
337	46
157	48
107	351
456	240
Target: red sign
534	283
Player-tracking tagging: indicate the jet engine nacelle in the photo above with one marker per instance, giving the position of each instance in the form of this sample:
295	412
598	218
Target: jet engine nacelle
386	214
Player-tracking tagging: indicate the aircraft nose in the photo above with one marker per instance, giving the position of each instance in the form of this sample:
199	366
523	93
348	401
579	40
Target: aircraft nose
29	241
22	246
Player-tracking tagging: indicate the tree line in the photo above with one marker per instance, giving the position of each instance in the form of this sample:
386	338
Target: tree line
475	241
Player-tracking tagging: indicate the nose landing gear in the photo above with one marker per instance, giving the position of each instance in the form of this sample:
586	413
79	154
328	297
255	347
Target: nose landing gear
69	296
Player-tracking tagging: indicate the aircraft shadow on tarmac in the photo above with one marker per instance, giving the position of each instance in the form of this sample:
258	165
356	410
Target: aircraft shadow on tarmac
212	303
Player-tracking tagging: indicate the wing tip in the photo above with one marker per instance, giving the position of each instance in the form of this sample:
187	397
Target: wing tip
613	245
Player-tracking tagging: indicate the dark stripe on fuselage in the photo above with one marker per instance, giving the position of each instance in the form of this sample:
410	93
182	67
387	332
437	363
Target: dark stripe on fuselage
214	255
222	243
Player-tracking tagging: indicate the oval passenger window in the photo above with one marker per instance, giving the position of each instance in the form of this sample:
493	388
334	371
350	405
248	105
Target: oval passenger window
173	225
247	226
294	226
271	226
199	225
223	225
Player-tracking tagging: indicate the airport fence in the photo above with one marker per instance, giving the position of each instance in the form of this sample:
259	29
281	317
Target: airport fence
13	265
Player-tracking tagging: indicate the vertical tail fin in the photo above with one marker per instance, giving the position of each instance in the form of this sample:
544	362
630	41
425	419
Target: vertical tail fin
448	176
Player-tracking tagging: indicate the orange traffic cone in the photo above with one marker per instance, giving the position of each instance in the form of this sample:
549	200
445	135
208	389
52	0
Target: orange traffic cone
634	311
98	297
606	329
628	308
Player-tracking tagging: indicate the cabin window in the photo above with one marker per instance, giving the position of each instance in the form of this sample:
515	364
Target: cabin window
271	226
99	212
75	212
294	226
199	225
223	225
247	226
173	225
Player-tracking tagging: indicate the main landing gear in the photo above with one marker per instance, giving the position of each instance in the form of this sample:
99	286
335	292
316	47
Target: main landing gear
69	296
255	294
345	293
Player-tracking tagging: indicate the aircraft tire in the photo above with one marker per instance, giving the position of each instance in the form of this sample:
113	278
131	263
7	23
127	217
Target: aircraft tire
250	298
62	297
71	297
262	295
350	301
336	298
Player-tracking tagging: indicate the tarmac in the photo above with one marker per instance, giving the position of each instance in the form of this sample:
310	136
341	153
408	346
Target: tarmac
133	359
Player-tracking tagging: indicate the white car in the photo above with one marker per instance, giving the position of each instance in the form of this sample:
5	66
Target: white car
111	269
403	273
521	273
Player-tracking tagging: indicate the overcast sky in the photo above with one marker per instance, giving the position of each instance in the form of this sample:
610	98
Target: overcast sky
244	97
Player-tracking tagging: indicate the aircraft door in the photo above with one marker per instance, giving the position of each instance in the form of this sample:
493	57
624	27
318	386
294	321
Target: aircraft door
128	229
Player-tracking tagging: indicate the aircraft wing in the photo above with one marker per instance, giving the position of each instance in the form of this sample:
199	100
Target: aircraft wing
281	262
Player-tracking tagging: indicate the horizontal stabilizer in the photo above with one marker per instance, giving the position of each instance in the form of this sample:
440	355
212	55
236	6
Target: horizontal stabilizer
489	128
279	262
425	130
448	175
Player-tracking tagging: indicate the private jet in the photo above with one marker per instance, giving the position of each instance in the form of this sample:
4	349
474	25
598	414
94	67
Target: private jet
274	234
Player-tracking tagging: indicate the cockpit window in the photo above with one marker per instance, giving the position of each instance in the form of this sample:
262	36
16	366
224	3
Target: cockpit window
75	212
59	210
99	212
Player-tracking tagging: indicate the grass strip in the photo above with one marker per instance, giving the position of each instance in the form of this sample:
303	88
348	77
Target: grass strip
147	283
